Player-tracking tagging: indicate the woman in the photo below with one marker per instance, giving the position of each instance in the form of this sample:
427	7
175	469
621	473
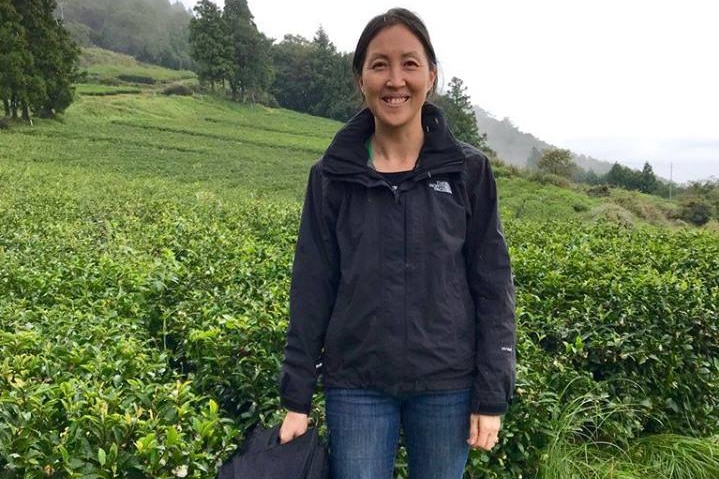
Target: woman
401	291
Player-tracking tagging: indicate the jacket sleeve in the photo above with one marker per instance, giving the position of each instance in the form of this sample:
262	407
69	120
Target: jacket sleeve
315	274
490	280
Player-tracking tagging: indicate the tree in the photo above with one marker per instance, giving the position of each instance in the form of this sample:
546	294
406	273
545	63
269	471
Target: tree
558	162
15	59
647	180
293	72
312	77
332	92
458	111
253	73
39	59
211	45
533	158
623	177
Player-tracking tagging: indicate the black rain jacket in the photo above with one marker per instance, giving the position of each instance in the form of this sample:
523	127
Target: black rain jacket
404	289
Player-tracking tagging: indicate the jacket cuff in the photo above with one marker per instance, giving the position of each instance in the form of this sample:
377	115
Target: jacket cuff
293	406
489	409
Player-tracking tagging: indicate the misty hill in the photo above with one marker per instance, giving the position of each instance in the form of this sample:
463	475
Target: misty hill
153	31
514	146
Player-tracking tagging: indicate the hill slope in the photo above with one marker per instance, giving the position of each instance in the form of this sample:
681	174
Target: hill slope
514	146
213	145
120	131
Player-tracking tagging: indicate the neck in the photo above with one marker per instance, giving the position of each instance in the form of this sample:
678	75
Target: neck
397	149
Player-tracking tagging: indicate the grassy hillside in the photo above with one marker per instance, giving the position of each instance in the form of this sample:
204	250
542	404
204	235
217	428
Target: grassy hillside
210	144
107	67
228	149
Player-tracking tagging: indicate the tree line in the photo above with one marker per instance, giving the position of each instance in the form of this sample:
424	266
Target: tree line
38	59
558	161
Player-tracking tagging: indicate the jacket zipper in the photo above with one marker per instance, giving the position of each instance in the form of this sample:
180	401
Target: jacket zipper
403	376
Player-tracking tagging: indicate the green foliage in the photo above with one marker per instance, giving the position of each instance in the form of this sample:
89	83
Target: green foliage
153	31
648	183
557	162
312	77
696	211
252	71
624	177
144	299
178	89
39	60
700	201
211	44
103	90
141	79
104	66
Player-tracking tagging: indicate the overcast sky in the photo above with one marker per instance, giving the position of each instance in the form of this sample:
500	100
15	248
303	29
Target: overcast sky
621	80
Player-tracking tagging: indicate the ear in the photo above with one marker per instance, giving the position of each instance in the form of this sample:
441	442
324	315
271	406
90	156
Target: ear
432	78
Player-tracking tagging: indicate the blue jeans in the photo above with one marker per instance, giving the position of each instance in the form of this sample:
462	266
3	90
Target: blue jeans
364	428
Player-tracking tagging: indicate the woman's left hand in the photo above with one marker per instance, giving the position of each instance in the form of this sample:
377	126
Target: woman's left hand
483	431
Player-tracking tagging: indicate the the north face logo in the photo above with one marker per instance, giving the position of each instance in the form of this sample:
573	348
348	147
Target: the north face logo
441	186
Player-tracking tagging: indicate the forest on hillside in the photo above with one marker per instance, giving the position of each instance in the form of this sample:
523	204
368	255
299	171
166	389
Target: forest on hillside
154	31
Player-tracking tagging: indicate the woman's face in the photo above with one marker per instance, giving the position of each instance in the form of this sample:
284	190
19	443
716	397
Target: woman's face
396	78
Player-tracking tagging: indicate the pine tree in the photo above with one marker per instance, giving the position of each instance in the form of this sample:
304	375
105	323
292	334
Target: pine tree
40	60
253	73
15	59
211	45
648	182
460	116
533	158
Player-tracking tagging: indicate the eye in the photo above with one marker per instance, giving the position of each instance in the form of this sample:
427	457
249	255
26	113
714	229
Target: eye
411	64
377	65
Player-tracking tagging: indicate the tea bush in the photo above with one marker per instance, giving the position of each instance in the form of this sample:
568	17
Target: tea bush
143	297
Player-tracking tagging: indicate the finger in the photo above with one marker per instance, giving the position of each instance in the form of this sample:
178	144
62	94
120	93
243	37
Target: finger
485	440
284	437
473	430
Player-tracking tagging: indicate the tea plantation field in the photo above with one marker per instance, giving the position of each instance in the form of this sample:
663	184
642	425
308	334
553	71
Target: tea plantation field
145	253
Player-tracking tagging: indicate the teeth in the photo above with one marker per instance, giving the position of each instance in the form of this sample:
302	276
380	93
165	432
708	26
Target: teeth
396	99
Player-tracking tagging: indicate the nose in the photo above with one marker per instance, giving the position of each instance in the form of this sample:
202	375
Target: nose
396	77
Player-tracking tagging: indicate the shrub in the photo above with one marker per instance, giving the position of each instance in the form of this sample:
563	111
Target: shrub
696	211
550	179
141	330
177	89
580	207
145	80
599	191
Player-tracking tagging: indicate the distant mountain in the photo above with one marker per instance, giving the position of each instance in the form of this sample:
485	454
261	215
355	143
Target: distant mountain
514	146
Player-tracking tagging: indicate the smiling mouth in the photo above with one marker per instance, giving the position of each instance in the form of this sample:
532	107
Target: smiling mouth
395	100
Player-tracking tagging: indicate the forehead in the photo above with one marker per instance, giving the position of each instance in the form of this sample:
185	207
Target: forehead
395	40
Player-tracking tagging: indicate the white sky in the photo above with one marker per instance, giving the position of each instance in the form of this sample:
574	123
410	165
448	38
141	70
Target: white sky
621	80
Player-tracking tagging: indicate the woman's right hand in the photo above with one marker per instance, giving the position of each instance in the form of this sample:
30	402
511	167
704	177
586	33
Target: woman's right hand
294	425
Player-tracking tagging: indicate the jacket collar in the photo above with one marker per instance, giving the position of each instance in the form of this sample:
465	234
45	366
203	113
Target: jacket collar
347	154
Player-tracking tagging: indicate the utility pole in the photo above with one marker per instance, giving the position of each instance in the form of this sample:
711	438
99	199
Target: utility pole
671	180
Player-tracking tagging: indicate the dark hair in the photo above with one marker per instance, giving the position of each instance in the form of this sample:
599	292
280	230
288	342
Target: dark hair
394	16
